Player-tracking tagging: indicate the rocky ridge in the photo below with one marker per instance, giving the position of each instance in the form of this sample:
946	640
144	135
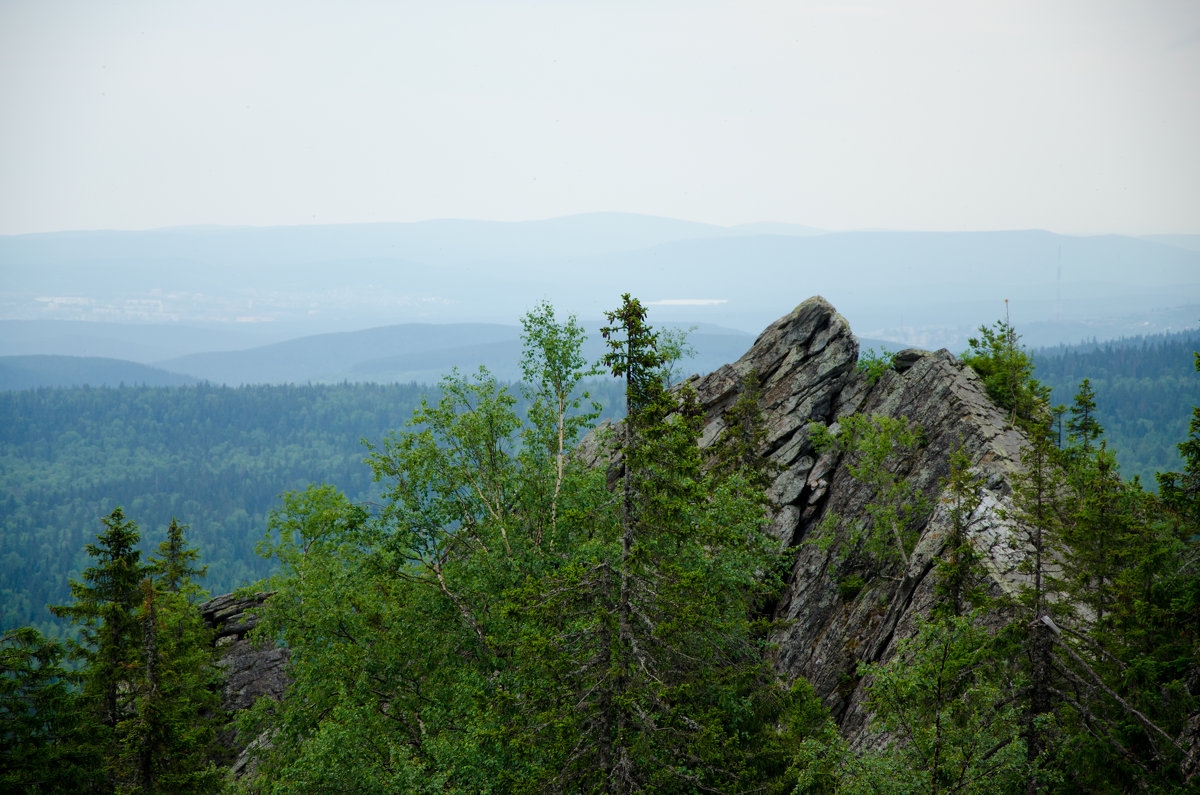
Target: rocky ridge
806	363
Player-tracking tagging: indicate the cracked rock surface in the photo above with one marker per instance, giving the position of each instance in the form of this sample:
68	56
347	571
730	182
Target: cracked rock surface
806	366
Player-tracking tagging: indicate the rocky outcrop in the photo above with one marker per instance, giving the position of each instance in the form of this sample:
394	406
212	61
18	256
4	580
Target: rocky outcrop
806	366
252	668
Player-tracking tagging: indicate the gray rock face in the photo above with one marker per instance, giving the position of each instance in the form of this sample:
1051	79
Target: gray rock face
252	669
806	366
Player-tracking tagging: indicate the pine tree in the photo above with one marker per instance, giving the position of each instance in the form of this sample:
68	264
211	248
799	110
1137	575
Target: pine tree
105	608
1083	427
149	694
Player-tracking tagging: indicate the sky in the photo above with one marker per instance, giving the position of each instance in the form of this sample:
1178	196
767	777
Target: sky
1080	117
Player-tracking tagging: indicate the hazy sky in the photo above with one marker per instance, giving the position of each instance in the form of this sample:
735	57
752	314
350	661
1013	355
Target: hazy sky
1078	117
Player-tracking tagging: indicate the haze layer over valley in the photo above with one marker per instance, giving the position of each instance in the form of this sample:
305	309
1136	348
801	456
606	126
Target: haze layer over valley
206	289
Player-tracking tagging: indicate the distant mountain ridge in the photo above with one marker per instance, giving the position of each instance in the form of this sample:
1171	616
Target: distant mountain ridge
924	288
33	372
414	352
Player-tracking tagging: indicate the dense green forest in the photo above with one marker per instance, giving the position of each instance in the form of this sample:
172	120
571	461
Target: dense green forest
1144	387
509	618
216	458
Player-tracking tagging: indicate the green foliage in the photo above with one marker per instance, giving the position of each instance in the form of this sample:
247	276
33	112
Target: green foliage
1103	645
104	607
553	368
874	448
1091	686
850	586
146	713
42	742
946	698
509	619
1144	388
874	363
218	456
1007	372
506	623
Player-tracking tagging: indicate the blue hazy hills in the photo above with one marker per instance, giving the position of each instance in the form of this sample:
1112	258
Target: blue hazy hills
242	304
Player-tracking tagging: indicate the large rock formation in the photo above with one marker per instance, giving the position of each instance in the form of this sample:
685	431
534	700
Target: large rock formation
806	366
253	668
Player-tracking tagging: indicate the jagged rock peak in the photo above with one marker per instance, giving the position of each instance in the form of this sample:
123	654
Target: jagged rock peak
806	362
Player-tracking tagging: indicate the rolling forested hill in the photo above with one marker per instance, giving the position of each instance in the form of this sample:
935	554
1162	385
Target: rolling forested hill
217	458
1145	389
31	372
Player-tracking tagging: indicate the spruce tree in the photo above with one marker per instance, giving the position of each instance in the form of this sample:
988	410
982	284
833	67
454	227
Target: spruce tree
1095	705
105	609
1083	428
149	694
172	734
174	566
